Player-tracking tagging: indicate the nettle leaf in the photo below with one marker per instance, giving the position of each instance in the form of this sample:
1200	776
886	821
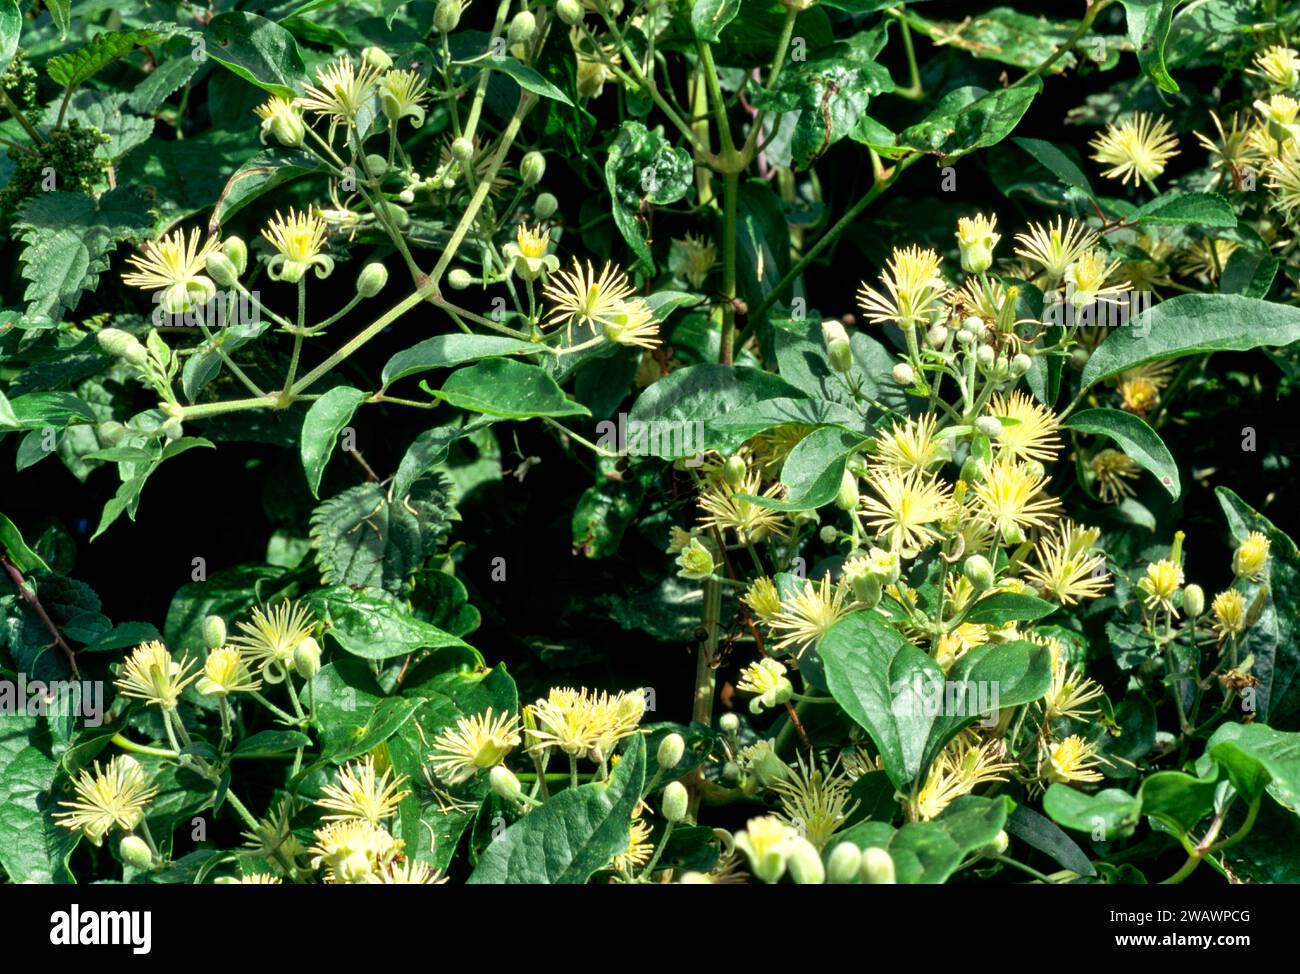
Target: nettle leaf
823	99
1148	30
375	625
321	427
574	834
643	168
258	50
970	118
1274	639
709	17
1139	441
33	847
77	67
364	539
507	389
1189	324
68	238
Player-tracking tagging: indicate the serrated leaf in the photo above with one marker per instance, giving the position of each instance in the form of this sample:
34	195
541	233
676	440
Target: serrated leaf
375	625
363	539
76	67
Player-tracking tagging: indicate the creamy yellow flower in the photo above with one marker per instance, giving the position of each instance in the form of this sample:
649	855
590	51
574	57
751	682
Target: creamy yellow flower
1055	247
476	743
912	445
726	510
1160	584
1073	759
1070	689
352	849
762	598
766	678
1067	569
270	638
174	265
809	613
150	674
975	240
580	297
814	802
1087	278
297	239
963	765
528	253
1229	608
1033	432
362	793
905	507
341	91
402	93
1113	470
117	796
1138	148
224	672
1251	557
638	850
1009	497
632	323
1279	66
913	289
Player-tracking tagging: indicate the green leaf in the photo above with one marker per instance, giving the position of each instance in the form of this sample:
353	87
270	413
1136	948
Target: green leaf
999	608
375	625
270	742
572	835
1058	163
1199	209
364	539
709	17
258	50
813	471
930	852
1111	813
526	78
1192	323
644	167
1249	273
77	67
700	394
1139	442
321	427
881	680
1148	29
1274	639
11	28
16	550
33	847
1035	830
69	237
444	351
508	389
970	118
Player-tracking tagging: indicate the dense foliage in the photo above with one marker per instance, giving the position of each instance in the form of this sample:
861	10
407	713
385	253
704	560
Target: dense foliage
649	441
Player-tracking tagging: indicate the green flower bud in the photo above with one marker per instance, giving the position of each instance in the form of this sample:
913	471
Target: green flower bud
805	863
878	867
844	864
533	165
446	16
376	165
173	430
985	356
675	802
937	335
462	149
306	658
997	847
396	215
1035	468
729	724
866	589
545	206
1021	364
504	783
840	353
1193	600
118	343
522	28
829	534
222	269
237	251
135	852
734	470
406	197
214	632
372	279
458	278
979	572
378	57
1079	358
903	374
847	498
695	561
990	426
970	470
671	749
569	11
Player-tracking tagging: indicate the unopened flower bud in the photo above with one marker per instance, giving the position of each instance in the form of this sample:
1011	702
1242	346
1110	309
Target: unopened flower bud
446	16
832	332
1193	600
522	28
135	852
110	433
866	589
406	197
214	632
458	278
840	353
376	165
504	783
533	165
844	864
985	356
545	206
306	658
237	251
372	279
903	374
1035	469
997	847
675	802
462	149
733	471
937	335
116	342
829	534
805	863
729	724
222	269
979	572
990	426
569	11
847	498
878	867
671	749
1021	364
1079	358
396	215
377	57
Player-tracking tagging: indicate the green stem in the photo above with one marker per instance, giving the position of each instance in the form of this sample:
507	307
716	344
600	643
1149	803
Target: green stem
730	192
